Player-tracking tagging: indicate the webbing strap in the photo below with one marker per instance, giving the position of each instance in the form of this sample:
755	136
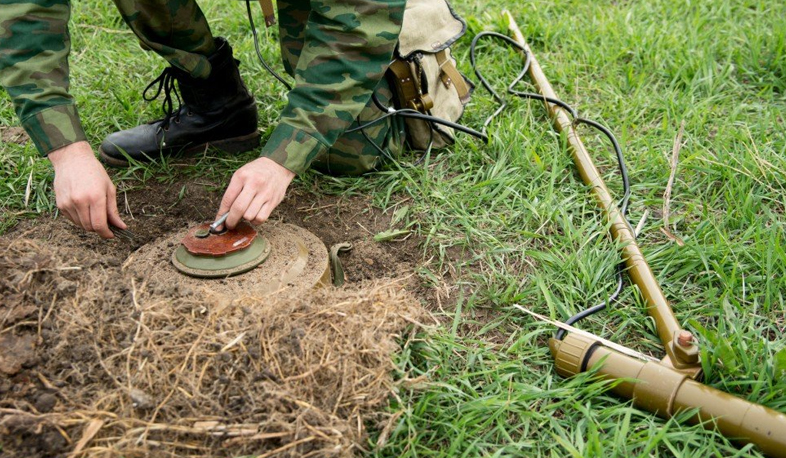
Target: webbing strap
451	74
268	11
405	83
335	262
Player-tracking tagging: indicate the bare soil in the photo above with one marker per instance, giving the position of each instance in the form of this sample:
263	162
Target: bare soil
157	210
100	361
13	135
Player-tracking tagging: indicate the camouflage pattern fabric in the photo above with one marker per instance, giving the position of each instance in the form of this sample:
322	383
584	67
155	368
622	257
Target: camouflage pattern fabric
34	47
174	29
353	154
337	52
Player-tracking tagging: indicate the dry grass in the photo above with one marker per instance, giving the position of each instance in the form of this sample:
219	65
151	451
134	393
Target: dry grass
142	369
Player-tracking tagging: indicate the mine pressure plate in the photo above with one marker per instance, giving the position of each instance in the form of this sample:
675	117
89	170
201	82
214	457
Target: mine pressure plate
273	257
207	255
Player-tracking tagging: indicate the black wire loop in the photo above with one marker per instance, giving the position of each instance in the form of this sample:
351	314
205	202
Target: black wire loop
411	114
576	119
259	52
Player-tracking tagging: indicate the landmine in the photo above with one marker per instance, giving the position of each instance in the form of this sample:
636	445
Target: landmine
237	263
203	254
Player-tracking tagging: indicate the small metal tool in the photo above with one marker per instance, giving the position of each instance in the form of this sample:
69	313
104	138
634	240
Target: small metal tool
123	234
214	227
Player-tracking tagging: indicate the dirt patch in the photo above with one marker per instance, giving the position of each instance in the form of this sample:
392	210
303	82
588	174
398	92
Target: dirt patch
128	367
112	362
159	210
13	135
100	358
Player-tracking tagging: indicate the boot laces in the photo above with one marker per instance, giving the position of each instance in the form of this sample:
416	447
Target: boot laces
166	83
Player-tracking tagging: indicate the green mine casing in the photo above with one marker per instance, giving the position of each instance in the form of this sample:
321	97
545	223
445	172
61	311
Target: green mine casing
667	392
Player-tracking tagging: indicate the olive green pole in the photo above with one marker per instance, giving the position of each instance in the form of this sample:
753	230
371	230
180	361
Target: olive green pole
666	392
664	388
637	268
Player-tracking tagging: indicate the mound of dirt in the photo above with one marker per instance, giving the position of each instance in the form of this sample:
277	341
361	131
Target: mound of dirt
154	261
156	211
97	362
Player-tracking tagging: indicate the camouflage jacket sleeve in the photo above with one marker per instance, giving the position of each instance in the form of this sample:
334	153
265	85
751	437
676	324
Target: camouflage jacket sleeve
347	47
34	47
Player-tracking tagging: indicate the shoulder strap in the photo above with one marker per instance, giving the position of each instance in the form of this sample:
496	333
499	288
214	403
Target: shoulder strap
450	75
407	87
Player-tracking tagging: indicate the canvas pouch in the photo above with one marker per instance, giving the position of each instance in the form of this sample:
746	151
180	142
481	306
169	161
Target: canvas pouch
423	75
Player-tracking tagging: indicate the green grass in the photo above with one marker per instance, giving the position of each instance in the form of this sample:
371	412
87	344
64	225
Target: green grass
516	224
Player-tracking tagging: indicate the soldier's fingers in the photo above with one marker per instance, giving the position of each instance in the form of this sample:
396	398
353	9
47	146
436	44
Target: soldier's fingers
64	206
239	207
233	190
112	214
98	218
264	212
83	214
69	215
254	209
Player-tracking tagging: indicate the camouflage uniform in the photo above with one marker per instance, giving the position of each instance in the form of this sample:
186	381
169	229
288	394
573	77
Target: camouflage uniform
34	46
337	52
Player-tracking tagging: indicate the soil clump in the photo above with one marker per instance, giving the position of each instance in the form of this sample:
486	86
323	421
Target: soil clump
13	135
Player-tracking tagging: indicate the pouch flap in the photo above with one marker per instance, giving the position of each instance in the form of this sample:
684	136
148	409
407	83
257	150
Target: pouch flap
429	26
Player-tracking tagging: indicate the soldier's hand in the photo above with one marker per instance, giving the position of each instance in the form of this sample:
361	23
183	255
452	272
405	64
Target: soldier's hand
254	191
83	191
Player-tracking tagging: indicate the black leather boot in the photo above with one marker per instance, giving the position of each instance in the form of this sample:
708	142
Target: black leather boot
216	112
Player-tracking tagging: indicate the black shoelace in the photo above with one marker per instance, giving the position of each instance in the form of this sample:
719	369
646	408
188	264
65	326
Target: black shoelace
167	83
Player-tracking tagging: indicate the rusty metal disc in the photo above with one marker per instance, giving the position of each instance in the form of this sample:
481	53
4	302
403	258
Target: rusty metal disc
200	242
204	254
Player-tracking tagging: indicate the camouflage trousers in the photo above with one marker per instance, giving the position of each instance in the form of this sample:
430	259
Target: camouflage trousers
178	31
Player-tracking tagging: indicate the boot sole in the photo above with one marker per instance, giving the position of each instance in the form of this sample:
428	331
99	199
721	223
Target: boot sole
230	145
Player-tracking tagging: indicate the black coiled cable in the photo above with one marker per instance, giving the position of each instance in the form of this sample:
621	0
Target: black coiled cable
414	114
259	52
576	120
